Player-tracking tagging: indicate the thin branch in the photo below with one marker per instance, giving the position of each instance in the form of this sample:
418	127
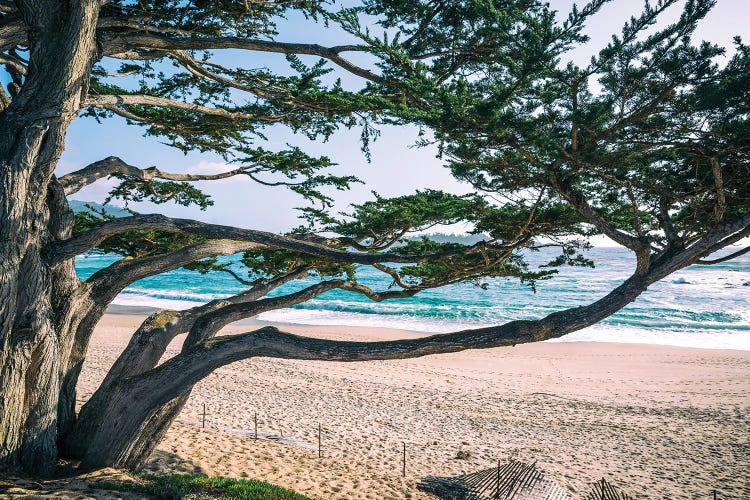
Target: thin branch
591	215
209	324
75	181
721	199
665	221
119	43
634	207
633	117
197	68
731	256
115	101
236	276
139	55
378	296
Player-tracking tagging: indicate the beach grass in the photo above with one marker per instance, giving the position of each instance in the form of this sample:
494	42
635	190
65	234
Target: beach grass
178	486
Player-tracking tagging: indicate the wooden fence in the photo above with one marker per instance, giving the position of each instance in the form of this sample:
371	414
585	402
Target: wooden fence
514	480
604	490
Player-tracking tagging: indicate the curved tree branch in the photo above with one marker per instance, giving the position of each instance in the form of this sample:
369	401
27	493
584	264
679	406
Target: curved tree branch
187	368
75	181
14	63
86	241
12	33
114	44
146	347
113	103
731	256
161	386
106	283
210	323
103	286
149	342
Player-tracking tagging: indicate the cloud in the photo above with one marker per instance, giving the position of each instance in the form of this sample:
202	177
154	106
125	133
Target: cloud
205	167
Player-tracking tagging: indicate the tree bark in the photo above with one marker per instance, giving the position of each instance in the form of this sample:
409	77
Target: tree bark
61	37
135	439
145	349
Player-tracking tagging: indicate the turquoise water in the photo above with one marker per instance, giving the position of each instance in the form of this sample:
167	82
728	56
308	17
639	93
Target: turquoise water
701	306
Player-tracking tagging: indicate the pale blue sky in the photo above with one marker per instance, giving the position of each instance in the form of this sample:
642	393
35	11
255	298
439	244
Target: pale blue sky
396	168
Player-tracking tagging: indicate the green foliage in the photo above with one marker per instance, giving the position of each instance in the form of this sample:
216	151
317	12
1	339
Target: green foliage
293	168
394	216
178	486
649	139
133	244
89	206
155	191
269	263
636	133
471	264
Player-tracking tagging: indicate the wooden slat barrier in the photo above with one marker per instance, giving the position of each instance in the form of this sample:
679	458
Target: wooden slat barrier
604	490
514	480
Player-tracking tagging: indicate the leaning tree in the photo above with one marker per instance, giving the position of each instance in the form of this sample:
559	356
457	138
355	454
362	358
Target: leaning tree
647	144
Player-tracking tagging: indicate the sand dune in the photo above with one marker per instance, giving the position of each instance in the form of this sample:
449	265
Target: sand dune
658	421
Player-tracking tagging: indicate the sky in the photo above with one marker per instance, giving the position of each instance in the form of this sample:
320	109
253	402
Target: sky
396	168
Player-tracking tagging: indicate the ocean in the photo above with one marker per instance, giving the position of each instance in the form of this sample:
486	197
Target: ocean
700	306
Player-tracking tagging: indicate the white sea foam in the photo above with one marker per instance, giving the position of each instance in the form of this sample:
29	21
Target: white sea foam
702	339
128	298
696	307
597	333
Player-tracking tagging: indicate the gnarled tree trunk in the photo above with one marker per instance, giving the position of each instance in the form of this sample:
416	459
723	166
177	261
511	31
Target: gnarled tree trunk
32	131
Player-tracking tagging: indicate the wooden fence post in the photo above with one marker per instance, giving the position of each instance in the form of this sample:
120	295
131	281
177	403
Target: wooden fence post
497	490
403	472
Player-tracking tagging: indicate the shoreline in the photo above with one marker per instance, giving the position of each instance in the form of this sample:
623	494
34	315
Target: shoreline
144	311
659	421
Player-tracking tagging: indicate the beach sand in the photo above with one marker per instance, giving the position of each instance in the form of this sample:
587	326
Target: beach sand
660	422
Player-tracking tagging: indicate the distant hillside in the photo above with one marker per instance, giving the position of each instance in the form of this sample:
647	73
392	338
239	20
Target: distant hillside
80	206
466	239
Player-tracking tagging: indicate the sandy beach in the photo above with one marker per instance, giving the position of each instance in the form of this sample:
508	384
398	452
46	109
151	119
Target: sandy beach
660	422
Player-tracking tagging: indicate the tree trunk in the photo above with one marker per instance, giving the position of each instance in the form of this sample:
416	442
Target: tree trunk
136	412
131	443
130	439
143	352
32	133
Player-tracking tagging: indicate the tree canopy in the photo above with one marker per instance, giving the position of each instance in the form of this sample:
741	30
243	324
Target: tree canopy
646	144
